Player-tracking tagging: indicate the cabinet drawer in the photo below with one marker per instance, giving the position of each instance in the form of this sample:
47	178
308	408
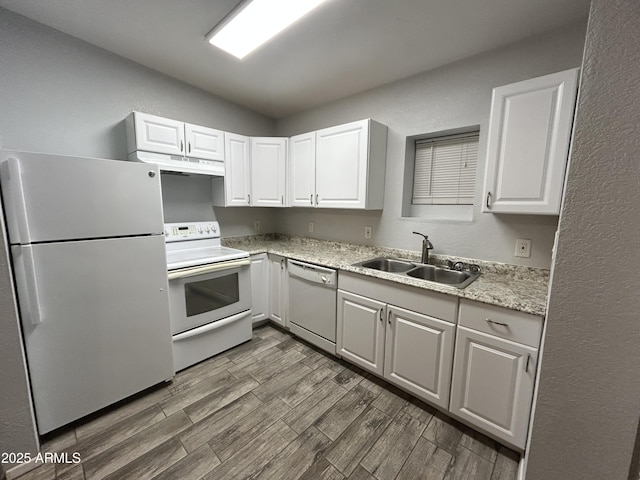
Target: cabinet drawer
501	322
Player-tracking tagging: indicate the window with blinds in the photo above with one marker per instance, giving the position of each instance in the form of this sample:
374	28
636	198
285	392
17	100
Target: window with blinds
445	170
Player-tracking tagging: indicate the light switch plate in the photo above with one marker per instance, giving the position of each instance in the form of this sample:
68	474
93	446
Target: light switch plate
523	248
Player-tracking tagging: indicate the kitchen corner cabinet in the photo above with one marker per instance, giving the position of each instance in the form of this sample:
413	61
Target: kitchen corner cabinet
494	369
407	346
255	172
302	170
151	133
528	144
268	171
278	289
259	287
339	167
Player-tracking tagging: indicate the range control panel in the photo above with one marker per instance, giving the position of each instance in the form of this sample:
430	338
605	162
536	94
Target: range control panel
175	232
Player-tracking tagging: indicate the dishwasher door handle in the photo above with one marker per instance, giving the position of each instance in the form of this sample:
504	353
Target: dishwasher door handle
312	273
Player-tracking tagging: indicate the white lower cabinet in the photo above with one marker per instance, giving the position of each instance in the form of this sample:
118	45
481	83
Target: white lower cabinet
277	289
418	353
259	288
409	348
493	375
361	331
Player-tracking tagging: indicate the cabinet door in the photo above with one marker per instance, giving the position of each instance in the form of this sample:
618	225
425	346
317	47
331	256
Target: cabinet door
360	332
302	170
259	287
493	385
203	142
277	289
159	134
268	171
341	165
237	170
419	354
528	144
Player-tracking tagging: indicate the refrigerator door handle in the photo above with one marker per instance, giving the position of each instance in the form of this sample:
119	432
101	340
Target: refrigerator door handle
18	200
31	281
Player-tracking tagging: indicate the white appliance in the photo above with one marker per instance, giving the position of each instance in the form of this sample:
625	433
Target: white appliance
88	257
312	304
209	292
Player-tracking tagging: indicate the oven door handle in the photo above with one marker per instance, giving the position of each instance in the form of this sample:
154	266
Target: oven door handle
215	267
211	326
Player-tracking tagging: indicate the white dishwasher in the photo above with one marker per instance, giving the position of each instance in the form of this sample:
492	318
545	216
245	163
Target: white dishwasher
312	304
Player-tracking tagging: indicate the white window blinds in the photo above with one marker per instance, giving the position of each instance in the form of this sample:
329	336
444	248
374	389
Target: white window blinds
445	170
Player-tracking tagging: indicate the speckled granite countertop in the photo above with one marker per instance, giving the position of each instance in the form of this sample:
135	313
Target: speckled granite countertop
515	287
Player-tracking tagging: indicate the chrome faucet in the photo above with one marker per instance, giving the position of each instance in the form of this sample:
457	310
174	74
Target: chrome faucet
426	246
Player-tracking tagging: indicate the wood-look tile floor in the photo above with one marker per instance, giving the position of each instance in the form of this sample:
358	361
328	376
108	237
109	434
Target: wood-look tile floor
274	408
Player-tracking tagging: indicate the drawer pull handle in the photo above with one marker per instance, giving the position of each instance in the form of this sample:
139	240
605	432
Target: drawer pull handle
389	317
381	315
488	320
526	368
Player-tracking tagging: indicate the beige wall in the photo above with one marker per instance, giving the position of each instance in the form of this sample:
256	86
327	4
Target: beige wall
588	403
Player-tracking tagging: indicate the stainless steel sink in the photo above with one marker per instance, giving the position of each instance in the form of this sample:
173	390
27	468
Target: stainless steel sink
431	273
388	265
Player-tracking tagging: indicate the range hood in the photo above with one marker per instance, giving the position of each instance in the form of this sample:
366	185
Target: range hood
180	164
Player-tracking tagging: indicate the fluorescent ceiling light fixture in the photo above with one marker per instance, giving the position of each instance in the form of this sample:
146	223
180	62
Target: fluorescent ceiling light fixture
253	22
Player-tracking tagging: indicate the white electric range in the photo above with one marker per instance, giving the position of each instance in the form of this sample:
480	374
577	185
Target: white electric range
209	292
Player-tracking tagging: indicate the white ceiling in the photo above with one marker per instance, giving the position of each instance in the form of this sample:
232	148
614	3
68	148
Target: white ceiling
344	47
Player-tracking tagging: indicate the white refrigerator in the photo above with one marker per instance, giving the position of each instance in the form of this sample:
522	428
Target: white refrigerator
89	262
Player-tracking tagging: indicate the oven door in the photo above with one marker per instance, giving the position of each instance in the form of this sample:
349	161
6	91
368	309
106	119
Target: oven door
208	293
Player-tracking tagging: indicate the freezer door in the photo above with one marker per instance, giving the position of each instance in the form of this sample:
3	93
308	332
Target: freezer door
52	197
102	332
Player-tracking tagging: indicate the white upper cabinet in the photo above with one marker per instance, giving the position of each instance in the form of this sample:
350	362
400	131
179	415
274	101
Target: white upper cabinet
157	134
204	142
339	167
268	171
528	144
233	190
164	135
302	170
255	172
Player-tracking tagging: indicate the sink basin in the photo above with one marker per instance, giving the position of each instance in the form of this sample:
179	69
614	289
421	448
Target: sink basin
421	271
387	265
440	275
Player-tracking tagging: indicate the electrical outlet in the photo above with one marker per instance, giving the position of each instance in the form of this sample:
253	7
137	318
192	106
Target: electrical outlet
523	248
256	225
367	231
311	227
